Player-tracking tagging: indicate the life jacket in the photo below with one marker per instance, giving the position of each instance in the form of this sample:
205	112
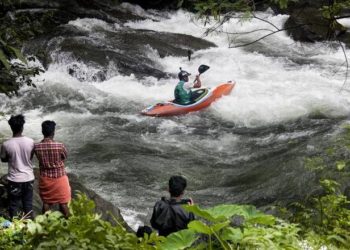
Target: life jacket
182	96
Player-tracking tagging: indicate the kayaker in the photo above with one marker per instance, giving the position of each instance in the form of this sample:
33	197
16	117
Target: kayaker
183	93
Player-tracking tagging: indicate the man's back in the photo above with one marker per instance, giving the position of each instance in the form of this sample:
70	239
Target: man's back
168	216
18	151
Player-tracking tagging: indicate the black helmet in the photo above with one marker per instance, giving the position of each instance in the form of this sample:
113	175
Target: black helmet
183	74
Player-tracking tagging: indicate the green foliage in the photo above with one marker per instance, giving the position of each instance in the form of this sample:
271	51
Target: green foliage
333	162
256	229
14	74
14	29
180	240
12	237
218	8
315	163
83	230
325	219
334	8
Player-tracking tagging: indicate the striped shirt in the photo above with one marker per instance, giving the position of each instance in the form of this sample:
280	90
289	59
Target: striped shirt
51	156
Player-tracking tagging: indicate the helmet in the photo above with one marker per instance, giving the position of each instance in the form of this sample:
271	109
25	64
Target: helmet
183	74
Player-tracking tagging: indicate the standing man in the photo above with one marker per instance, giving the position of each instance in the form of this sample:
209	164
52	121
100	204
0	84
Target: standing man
168	215
53	184
17	152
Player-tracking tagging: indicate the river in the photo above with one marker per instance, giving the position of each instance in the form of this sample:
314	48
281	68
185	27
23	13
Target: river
248	147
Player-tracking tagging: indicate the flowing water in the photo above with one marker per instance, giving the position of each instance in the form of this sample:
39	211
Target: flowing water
247	147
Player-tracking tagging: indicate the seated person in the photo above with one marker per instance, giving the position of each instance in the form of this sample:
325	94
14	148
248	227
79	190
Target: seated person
183	93
168	215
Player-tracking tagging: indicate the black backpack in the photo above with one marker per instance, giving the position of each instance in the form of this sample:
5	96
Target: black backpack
166	217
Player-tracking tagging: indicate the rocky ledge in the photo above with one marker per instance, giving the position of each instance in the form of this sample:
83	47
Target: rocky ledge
103	207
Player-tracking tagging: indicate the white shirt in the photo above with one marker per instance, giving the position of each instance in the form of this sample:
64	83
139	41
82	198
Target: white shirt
18	150
188	86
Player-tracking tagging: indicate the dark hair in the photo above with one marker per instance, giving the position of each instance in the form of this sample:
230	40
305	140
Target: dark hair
48	128
16	123
177	185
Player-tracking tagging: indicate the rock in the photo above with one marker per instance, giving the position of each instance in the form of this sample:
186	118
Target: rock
120	48
308	25
103	207
158	4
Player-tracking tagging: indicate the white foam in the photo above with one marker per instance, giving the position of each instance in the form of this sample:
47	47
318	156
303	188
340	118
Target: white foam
91	24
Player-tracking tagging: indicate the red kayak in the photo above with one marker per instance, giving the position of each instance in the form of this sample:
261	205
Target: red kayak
203	97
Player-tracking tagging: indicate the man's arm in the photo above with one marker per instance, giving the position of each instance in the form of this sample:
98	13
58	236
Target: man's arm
3	154
197	82
64	153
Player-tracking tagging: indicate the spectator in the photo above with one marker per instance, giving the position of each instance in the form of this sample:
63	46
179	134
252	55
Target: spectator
168	215
53	184
17	152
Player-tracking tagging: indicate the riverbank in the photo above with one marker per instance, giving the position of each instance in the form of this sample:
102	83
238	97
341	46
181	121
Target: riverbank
107	210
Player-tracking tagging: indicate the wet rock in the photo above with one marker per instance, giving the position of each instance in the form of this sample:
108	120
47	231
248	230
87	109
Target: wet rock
103	207
126	49
157	4
308	25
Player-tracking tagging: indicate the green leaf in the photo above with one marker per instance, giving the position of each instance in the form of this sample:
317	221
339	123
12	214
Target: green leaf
199	212
219	226
233	234
4	60
18	53
179	240
199	227
341	165
262	219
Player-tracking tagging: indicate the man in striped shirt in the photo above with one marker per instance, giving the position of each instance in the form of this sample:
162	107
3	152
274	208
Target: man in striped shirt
53	183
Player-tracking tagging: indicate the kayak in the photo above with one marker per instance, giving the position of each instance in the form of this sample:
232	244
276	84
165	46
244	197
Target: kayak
202	98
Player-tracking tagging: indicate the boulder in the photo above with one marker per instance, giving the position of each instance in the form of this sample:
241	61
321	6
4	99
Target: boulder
103	207
308	25
121	48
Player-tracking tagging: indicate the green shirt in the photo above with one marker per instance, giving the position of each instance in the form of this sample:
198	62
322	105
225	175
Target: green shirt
182	96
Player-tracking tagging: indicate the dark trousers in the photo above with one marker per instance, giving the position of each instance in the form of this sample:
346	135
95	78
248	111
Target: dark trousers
20	192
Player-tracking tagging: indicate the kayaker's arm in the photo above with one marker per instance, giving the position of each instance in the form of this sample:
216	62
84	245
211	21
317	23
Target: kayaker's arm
197	82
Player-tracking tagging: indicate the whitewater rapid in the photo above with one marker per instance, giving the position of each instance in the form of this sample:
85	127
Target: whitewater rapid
127	158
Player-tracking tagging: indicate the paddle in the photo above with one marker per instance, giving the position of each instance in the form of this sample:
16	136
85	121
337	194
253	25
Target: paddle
202	68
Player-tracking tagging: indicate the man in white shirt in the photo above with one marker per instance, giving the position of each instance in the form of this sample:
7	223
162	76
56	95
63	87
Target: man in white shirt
17	152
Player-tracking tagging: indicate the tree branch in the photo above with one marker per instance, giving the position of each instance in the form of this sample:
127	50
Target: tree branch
263	20
274	32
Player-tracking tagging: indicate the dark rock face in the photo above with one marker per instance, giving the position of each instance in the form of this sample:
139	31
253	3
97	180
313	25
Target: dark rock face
308	25
127	49
157	4
43	25
103	207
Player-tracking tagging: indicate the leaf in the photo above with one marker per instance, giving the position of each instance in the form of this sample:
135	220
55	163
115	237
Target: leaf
199	227
219	226
179	240
263	219
233	234
341	165
4	60
18	53
199	212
